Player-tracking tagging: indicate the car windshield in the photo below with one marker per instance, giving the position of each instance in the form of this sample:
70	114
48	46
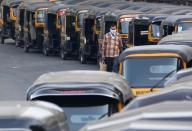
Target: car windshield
155	30
41	16
79	116
124	26
148	71
184	26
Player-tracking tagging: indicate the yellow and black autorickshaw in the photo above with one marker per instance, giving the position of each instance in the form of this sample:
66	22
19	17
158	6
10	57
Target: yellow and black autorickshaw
32	116
84	98
145	29
174	24
7	19
147	68
19	23
70	38
34	24
124	19
52	29
88	42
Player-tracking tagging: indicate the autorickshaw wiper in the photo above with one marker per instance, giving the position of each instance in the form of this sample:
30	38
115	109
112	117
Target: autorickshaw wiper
158	83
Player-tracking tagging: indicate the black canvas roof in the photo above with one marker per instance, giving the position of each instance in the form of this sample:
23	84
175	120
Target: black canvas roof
182	38
184	51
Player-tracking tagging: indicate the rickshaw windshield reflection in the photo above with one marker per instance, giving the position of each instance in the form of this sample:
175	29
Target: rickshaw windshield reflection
184	26
15	11
124	27
79	116
61	19
155	30
41	15
149	71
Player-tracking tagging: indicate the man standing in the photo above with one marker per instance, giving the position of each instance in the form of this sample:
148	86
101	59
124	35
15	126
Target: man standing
111	47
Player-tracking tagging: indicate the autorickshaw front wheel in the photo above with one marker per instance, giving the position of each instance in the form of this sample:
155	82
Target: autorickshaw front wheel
63	54
26	46
2	40
17	42
45	50
82	58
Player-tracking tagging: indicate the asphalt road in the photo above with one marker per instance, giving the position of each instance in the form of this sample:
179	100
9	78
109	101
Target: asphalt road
19	69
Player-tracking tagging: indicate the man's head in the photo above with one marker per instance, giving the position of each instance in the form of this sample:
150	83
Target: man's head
113	28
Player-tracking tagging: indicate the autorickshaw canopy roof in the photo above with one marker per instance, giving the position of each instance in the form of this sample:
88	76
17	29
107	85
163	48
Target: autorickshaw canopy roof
179	91
127	12
176	19
152	17
54	9
27	3
181	38
25	114
79	79
11	2
166	111
182	50
146	125
34	7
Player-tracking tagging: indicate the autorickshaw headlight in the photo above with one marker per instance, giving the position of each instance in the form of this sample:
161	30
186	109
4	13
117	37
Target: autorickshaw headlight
85	40
19	28
68	38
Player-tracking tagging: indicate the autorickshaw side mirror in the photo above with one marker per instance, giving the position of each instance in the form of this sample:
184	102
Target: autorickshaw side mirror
144	32
73	23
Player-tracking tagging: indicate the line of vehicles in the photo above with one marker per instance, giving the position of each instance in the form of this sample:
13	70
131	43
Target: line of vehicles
77	31
157	58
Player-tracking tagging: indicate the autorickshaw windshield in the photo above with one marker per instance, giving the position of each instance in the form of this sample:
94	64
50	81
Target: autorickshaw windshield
14	11
61	17
81	110
155	30
124	25
184	26
149	71
40	15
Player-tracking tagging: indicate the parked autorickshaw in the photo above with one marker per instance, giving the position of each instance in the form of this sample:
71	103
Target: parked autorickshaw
122	19
7	19
146	68
181	38
19	22
164	116
174	24
88	39
32	116
70	35
145	29
34	24
54	18
84	98
180	90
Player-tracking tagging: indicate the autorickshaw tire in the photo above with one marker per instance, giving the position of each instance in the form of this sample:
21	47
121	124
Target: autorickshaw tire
45	50
26	46
2	40
62	54
82	58
17	42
